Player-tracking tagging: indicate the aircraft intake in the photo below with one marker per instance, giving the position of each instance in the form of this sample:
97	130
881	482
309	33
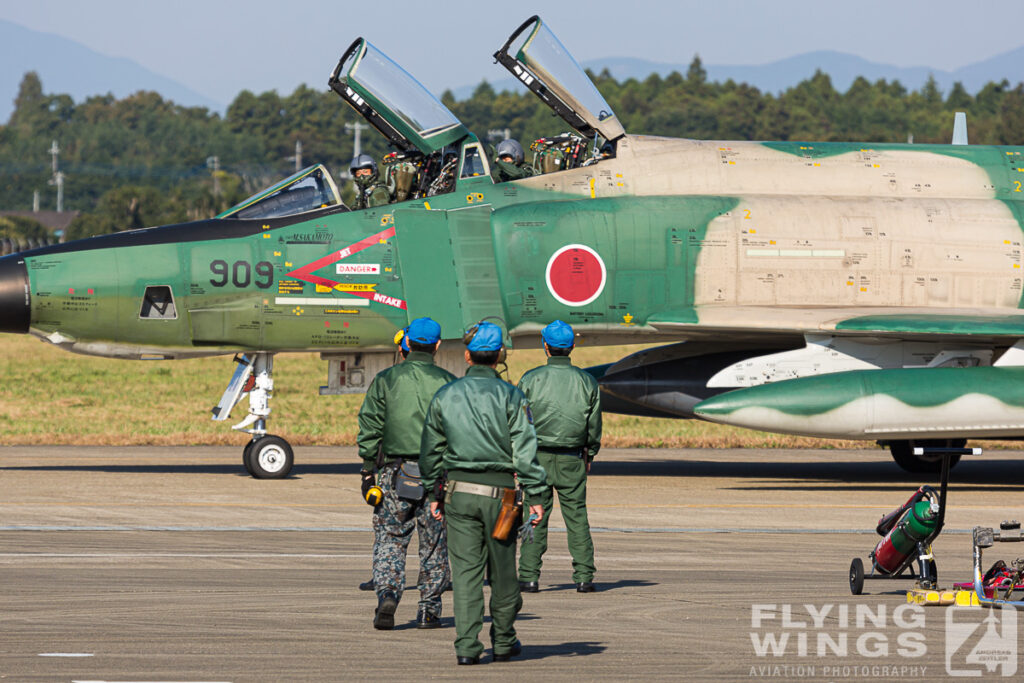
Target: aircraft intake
902	403
15	313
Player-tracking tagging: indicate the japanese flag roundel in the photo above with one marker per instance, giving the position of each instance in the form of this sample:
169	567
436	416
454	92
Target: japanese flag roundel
576	275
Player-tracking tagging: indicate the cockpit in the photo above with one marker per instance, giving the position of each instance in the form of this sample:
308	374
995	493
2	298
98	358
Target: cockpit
433	150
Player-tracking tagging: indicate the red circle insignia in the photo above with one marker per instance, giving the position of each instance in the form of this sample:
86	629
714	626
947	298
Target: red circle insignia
576	275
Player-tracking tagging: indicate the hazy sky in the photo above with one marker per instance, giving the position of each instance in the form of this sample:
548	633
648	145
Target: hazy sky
219	47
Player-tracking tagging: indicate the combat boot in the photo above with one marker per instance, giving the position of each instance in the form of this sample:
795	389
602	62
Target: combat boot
384	615
426	619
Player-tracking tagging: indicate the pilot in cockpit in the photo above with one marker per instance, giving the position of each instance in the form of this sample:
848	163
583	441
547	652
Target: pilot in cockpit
508	162
370	191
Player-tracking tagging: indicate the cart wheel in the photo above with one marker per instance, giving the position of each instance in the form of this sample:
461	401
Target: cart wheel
934	571
856	576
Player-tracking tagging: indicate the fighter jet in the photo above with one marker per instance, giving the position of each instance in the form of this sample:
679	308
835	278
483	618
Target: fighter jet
839	290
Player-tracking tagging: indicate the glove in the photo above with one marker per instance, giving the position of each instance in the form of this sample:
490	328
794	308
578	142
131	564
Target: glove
526	530
439	494
369	480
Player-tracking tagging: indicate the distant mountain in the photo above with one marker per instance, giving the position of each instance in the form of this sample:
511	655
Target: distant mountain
842	68
785	73
65	66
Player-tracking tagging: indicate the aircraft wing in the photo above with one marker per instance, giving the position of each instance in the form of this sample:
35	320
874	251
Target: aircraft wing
901	323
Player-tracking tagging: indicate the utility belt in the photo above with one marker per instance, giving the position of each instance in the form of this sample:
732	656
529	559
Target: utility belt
473	489
574	451
396	461
511	503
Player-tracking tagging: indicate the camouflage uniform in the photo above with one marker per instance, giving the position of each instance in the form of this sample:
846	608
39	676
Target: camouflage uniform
393	523
391	422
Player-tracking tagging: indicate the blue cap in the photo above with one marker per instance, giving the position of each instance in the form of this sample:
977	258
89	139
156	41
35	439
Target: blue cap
559	335
423	331
488	337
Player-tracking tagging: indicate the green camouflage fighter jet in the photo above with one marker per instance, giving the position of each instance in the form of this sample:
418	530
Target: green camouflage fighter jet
861	291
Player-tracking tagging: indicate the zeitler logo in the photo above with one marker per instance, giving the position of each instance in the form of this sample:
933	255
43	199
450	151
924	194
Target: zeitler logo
981	641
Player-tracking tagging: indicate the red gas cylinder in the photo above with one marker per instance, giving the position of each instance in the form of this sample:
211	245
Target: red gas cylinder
918	521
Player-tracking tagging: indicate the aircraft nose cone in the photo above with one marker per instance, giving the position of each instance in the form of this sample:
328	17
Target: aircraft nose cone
14	297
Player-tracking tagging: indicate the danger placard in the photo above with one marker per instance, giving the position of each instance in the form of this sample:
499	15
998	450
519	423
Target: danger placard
576	275
358	269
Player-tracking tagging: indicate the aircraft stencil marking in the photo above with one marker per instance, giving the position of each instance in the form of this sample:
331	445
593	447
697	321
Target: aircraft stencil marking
576	275
305	273
358	269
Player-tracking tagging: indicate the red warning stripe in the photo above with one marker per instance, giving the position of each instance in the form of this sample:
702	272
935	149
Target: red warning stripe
305	273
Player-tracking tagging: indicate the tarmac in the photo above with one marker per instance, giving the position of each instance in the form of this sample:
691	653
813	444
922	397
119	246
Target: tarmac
171	564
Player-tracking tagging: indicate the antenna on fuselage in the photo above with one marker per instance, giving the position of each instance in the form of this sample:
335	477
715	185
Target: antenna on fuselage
960	128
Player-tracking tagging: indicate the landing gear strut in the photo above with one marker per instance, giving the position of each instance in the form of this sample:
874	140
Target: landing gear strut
265	456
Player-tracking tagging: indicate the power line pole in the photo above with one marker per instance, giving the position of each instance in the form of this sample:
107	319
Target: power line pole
213	163
298	156
356	129
58	180
58	177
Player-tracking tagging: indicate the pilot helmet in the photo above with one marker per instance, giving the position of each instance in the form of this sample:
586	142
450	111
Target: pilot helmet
363	161
511	148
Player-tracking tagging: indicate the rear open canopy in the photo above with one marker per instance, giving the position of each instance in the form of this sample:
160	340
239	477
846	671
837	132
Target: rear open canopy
538	59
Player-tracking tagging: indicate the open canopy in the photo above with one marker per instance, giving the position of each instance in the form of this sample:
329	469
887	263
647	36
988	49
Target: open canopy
392	101
539	60
310	189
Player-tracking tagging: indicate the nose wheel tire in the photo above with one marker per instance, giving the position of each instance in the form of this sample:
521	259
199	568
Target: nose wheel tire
269	457
245	457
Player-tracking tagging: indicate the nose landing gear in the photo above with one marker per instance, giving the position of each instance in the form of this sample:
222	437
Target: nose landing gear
266	456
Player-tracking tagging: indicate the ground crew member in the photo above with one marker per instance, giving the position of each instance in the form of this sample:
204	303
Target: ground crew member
369	190
508	162
390	425
566	410
403	347
478	429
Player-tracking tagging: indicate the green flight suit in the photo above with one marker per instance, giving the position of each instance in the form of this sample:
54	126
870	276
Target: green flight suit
479	430
371	195
566	407
502	171
392	414
391	422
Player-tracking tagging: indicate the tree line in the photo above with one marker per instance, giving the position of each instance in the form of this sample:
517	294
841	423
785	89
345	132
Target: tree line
143	160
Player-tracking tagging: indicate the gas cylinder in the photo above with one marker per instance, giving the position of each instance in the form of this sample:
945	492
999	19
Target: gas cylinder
916	525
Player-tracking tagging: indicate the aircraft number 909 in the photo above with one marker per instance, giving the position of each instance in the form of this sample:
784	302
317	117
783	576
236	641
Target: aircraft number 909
240	274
